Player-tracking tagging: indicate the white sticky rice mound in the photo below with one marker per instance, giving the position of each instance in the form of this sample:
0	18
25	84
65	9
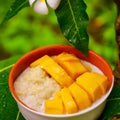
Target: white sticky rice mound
34	86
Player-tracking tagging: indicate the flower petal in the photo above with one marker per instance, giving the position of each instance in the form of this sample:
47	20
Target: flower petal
41	7
53	3
31	2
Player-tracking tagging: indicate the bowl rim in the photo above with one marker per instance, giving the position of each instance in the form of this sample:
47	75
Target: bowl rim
45	49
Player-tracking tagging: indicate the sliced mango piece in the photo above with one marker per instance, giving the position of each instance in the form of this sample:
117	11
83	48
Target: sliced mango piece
57	94
101	80
68	101
71	64
54	106
53	69
80	96
86	82
66	56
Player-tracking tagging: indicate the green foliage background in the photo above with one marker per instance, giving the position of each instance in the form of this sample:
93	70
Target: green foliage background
29	30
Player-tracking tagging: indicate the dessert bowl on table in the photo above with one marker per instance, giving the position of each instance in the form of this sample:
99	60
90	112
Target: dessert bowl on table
60	83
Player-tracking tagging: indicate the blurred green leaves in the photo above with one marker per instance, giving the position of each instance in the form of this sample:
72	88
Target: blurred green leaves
15	7
73	21
113	105
28	30
102	33
9	109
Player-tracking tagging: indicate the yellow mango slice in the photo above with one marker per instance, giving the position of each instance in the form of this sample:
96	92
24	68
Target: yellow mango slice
53	69
71	64
80	96
68	101
101	80
57	94
54	106
66	56
86	82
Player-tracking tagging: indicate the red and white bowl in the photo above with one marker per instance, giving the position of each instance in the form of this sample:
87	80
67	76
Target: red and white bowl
91	113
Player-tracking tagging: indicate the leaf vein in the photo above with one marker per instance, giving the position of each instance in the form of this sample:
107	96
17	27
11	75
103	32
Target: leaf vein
3	83
70	6
5	68
75	33
112	99
20	6
17	118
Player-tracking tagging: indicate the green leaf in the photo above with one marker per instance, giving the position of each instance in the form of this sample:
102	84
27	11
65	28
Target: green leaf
8	106
16	6
113	105
73	21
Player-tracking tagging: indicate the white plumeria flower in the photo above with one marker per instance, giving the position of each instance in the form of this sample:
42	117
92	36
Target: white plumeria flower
40	6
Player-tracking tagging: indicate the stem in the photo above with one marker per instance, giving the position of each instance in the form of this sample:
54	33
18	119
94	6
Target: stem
117	69
118	36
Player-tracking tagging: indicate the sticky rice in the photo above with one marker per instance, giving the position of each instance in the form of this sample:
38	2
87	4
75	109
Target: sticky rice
34	86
